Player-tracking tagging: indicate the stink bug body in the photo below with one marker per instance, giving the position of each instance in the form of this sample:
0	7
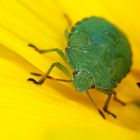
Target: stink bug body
100	56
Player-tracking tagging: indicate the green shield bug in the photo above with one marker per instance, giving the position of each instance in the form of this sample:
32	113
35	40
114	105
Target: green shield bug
100	56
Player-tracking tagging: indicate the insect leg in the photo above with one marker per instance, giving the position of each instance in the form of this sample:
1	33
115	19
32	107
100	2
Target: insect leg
58	65
35	74
66	32
105	108
60	52
116	98
50	77
68	20
93	102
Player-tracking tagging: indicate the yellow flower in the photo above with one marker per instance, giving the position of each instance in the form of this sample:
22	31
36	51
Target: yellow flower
55	110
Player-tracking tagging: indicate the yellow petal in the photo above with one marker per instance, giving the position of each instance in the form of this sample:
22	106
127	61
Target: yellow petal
51	111
55	110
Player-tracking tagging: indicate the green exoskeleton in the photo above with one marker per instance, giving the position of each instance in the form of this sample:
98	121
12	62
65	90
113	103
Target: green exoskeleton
100	56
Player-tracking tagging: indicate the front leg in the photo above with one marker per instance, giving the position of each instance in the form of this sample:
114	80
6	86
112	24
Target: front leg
49	77
46	75
57	50
95	105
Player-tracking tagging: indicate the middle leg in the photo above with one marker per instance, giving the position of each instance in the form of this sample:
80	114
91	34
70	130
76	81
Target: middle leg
105	108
